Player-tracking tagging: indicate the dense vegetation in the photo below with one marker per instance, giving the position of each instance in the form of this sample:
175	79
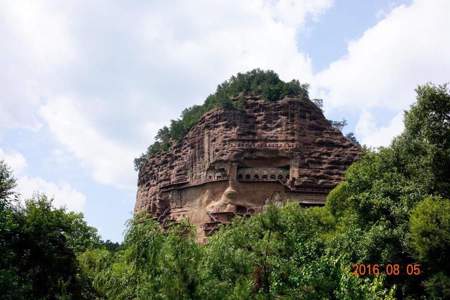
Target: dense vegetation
39	246
257	82
392	207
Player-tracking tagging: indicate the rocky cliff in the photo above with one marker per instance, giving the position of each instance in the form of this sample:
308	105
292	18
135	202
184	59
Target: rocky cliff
236	161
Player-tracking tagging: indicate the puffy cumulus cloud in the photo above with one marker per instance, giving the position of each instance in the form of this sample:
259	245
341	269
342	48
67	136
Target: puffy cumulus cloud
372	134
408	47
36	46
63	194
148	54
131	67
15	160
110	162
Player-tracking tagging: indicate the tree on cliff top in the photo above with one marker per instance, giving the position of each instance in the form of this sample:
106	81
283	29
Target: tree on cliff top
266	84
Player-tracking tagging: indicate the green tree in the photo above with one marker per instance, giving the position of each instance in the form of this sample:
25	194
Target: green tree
11	284
430	232
381	191
430	242
45	245
428	123
80	236
7	183
38	245
281	254
151	264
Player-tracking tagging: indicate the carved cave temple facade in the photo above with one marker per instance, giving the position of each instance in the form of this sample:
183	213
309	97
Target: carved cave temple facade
235	162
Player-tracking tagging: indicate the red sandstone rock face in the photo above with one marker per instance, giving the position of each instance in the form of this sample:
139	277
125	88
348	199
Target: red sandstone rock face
237	161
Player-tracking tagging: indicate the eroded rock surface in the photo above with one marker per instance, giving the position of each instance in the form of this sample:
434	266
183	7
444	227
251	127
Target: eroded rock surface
234	162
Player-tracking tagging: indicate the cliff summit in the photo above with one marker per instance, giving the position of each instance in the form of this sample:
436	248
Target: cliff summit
238	158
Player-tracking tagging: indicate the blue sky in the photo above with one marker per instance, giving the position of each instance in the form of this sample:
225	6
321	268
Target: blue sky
85	85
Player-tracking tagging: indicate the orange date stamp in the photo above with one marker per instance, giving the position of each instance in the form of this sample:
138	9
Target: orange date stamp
391	269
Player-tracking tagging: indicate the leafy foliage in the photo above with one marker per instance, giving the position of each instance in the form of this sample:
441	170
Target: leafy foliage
428	124
280	253
7	183
38	245
257	82
429	228
152	264
386	201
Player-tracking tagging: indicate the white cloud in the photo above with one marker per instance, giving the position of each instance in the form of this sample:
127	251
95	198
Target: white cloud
110	162
410	46
63	194
372	134
141	63
35	47
15	160
144	50
104	82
